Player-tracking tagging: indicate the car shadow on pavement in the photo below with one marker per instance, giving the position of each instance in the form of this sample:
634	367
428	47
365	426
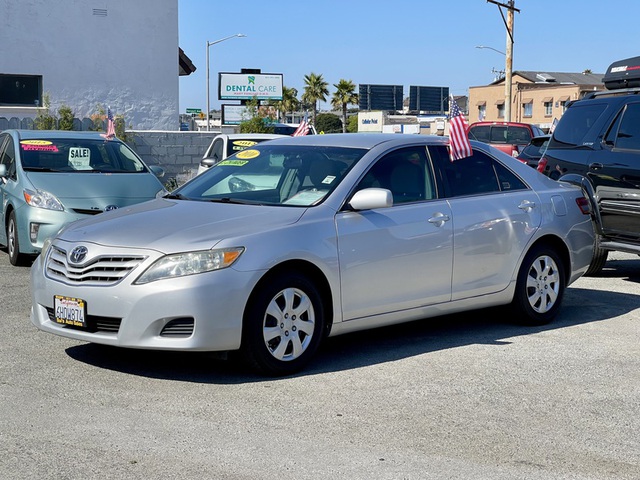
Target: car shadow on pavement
490	326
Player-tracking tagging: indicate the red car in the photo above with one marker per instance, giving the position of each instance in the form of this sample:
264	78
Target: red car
510	137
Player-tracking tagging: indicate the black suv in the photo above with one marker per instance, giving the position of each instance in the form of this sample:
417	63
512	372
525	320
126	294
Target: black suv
596	144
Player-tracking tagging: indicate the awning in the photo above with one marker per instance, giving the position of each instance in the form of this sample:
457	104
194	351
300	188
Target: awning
481	103
547	99
500	102
564	99
527	100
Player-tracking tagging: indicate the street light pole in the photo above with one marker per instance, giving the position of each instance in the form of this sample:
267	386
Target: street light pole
207	55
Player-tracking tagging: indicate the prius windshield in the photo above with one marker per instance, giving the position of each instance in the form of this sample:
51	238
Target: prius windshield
78	155
273	175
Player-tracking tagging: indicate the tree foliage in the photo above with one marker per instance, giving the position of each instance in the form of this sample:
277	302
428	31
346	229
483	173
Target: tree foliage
315	89
65	120
344	95
328	123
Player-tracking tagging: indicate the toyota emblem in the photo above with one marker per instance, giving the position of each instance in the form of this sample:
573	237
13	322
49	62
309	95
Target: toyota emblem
78	254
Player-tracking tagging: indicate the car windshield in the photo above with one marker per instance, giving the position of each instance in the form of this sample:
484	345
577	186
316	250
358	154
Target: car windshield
235	146
268	174
78	155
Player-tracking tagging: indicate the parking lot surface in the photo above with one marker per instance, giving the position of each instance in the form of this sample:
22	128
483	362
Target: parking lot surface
467	396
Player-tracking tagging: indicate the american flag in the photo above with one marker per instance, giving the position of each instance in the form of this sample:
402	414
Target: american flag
303	128
111	127
459	146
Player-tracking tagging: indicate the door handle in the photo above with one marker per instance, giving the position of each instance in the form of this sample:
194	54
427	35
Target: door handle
527	205
438	219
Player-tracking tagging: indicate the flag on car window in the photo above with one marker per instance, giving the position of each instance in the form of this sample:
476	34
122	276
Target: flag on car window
553	125
459	146
111	127
303	128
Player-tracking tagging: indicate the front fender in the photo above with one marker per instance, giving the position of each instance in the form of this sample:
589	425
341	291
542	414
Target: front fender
589	192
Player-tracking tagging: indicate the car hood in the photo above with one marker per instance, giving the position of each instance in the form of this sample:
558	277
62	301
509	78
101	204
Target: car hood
97	190
169	225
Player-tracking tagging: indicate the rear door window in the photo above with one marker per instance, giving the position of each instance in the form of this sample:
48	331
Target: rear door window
574	125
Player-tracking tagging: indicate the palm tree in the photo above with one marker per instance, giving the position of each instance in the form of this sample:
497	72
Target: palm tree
315	88
344	95
289	102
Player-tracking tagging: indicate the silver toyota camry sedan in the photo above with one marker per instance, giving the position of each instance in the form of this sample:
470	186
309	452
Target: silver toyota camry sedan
290	241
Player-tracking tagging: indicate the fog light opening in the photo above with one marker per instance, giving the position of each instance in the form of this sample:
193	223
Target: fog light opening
33	232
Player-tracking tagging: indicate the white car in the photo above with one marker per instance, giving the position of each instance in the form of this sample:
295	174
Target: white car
294	239
225	144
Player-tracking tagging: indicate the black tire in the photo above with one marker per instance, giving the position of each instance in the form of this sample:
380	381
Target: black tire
13	243
283	325
539	288
598	260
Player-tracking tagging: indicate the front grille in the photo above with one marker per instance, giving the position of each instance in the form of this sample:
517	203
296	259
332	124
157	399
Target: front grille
94	323
86	211
178	327
102	270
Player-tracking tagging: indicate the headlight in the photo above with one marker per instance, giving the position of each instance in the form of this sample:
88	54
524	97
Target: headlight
42	199
190	263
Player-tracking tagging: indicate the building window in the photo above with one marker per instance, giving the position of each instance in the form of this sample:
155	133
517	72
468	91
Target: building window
548	109
501	110
21	90
563	106
482	112
527	109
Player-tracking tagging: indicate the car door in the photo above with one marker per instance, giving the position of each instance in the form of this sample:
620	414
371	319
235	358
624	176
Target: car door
615	172
7	183
494	216
398	257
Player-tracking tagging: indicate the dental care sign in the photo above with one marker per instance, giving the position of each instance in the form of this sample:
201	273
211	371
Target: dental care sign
245	86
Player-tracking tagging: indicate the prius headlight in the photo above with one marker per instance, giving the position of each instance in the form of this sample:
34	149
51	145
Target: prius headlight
42	199
190	263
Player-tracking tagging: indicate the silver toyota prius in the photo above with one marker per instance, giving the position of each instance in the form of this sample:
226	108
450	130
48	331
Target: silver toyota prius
275	248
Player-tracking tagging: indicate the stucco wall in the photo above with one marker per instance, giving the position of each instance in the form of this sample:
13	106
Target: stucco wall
179	153
118	53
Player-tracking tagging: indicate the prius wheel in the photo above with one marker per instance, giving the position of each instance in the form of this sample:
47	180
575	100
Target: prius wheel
13	244
283	325
539	288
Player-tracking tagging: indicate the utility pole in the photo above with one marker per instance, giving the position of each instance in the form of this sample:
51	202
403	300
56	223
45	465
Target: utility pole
508	23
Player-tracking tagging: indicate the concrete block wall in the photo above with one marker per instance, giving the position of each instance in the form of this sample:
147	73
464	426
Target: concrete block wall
179	153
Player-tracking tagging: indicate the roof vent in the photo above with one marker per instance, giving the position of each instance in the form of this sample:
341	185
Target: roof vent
545	77
100	12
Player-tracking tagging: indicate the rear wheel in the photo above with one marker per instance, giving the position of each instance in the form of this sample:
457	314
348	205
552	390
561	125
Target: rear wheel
283	325
598	260
13	243
539	288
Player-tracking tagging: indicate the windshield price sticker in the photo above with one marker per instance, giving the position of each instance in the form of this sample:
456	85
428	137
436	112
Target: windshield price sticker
79	158
70	311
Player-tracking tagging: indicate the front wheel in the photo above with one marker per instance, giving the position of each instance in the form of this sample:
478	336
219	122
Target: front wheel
283	325
13	244
539	288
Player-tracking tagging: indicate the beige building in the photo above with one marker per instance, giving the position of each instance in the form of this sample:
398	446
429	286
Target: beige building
536	97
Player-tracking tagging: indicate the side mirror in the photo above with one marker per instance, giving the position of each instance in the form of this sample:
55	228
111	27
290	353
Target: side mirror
371	198
208	162
157	170
3	171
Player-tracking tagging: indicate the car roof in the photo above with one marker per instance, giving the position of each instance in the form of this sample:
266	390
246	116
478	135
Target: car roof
508	124
70	134
246	136
362	140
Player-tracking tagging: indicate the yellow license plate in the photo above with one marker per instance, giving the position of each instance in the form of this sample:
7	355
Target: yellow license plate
70	311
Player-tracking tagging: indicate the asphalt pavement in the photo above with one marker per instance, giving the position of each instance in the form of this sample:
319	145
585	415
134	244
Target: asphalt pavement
466	396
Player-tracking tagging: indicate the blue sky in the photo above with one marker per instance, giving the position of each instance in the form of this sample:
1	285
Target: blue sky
411	42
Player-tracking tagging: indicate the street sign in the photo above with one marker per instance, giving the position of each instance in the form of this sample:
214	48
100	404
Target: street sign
194	110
